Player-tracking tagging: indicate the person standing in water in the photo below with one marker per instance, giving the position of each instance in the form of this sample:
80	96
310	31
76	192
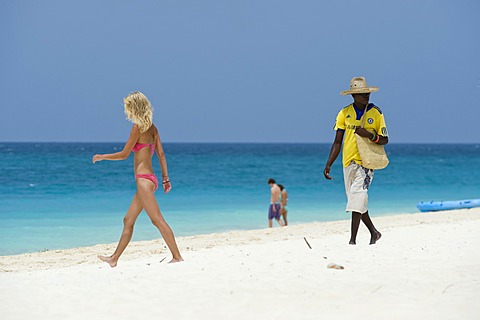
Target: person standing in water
274	208
283	203
144	141
356	177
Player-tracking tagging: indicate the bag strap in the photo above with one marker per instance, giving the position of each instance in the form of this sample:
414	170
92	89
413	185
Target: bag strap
362	120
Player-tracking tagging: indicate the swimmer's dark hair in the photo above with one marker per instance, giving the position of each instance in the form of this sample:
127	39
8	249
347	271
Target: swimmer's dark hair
280	186
270	181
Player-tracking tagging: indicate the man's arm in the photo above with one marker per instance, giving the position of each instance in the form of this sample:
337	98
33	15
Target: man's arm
334	152
378	139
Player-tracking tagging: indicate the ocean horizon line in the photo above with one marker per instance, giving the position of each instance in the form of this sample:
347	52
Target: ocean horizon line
239	143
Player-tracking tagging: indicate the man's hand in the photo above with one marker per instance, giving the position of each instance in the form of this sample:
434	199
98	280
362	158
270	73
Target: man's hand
326	172
362	132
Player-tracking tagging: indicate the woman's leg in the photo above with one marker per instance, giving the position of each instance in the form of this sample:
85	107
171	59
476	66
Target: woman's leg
283	212
128	223
145	192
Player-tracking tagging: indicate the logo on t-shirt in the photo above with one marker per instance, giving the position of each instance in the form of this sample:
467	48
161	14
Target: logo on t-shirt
370	120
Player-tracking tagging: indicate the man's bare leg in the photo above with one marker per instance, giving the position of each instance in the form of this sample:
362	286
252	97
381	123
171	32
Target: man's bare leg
356	217
374	233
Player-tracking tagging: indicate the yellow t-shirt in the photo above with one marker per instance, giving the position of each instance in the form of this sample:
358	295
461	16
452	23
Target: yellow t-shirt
348	119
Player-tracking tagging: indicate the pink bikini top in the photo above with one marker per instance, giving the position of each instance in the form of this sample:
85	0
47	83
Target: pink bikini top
139	146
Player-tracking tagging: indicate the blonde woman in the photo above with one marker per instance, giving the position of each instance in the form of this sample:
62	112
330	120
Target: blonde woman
144	140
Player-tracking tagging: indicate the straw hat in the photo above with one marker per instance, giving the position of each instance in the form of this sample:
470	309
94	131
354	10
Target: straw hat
359	85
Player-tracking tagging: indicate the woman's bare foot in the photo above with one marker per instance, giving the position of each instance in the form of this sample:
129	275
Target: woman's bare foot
176	260
112	262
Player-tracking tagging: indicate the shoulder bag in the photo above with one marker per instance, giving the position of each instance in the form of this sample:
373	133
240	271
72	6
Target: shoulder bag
372	154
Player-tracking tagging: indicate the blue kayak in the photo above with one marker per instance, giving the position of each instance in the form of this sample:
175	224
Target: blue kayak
447	205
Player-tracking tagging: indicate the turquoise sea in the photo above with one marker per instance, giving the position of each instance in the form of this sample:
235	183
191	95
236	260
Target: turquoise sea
53	197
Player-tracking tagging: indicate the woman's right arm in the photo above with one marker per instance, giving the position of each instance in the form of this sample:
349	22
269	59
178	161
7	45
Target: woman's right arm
127	149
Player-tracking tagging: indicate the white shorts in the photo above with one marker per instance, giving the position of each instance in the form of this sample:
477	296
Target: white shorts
357	181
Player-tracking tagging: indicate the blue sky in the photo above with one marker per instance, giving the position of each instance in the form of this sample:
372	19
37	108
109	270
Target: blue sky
237	71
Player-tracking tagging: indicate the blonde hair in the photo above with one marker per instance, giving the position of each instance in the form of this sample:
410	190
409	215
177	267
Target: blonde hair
138	110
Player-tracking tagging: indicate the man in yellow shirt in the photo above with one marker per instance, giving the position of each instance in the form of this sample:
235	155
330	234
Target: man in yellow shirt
357	178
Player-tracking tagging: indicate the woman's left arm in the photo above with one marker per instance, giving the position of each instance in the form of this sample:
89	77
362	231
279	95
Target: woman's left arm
127	149
167	186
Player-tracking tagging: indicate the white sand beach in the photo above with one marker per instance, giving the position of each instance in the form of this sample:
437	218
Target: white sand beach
426	266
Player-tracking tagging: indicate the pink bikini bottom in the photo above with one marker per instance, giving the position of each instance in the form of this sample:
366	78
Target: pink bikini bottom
149	176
